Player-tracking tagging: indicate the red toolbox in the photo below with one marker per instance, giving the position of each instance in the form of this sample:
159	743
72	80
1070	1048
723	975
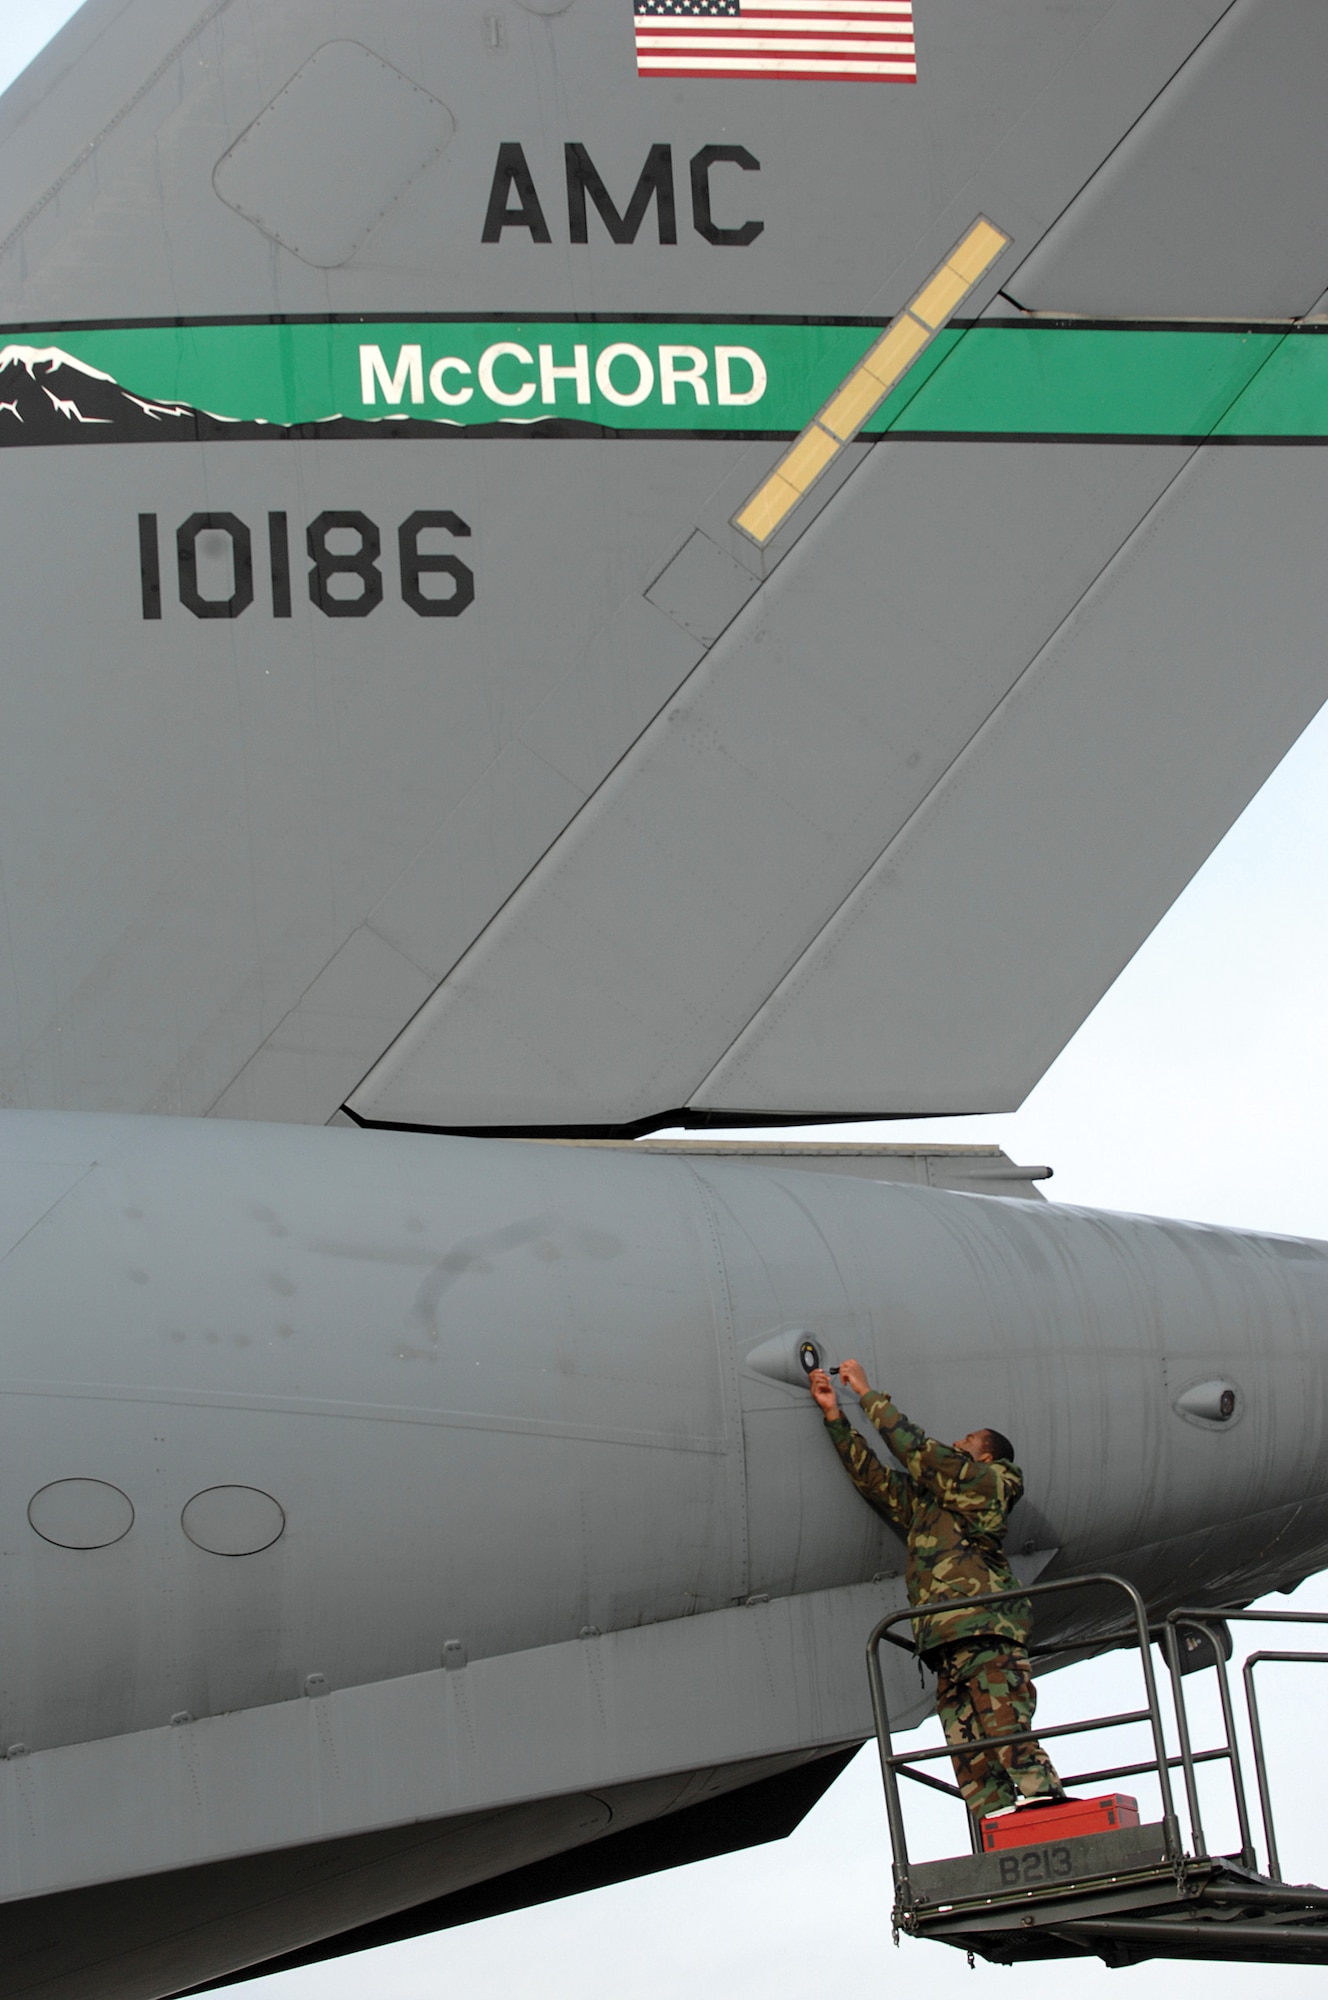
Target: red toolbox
1034	1826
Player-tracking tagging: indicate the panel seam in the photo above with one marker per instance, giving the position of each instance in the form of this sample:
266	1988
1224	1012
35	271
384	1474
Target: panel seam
149	83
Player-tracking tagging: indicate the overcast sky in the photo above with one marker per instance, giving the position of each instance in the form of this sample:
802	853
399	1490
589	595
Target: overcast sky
1198	1088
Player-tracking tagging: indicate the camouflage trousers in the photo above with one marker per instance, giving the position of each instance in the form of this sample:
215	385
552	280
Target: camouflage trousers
987	1690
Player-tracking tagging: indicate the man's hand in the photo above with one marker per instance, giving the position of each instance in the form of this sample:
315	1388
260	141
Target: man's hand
823	1389
852	1376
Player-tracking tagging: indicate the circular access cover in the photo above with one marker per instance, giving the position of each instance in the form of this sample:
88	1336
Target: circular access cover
81	1513
233	1520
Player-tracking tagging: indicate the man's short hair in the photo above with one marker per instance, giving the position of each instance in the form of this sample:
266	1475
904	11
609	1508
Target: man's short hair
999	1445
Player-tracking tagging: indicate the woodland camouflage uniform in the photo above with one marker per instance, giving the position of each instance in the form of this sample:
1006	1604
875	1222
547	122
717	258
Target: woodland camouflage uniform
952	1510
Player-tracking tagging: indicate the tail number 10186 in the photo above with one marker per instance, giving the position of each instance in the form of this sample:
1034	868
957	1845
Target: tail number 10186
215	568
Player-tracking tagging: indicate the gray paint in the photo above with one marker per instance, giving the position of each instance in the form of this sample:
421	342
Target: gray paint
1212	205
1027	105
325	161
198	818
628	1708
511	1403
1002	800
233	1914
398	1338
962	1169
237	860
811	734
702	588
1185	675
409	1343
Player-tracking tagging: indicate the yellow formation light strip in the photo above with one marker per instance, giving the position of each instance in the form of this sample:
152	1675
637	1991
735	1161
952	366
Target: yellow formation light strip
875	376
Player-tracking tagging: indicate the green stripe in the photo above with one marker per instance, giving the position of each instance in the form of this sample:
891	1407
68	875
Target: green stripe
990	380
302	373
1116	382
1289	397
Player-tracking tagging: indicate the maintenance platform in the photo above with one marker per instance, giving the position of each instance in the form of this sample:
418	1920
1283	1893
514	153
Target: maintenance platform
1126	1893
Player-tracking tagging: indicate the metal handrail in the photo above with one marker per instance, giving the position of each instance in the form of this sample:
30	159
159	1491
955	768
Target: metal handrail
1189	1615
1256	1735
1229	1751
892	1761
1139	1770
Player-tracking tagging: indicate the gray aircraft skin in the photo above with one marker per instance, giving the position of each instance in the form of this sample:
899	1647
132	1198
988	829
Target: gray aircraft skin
384	1511
545	598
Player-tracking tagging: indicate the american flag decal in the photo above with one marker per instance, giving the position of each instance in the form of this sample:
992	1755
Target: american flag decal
867	41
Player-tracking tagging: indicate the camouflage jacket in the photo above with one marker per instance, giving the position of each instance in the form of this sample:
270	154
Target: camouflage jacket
952	1510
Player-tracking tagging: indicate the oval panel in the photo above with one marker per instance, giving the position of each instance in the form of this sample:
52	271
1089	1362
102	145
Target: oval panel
81	1513
233	1520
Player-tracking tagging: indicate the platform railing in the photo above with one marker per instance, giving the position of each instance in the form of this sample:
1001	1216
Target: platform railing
895	1764
1206	1625
1203	1621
